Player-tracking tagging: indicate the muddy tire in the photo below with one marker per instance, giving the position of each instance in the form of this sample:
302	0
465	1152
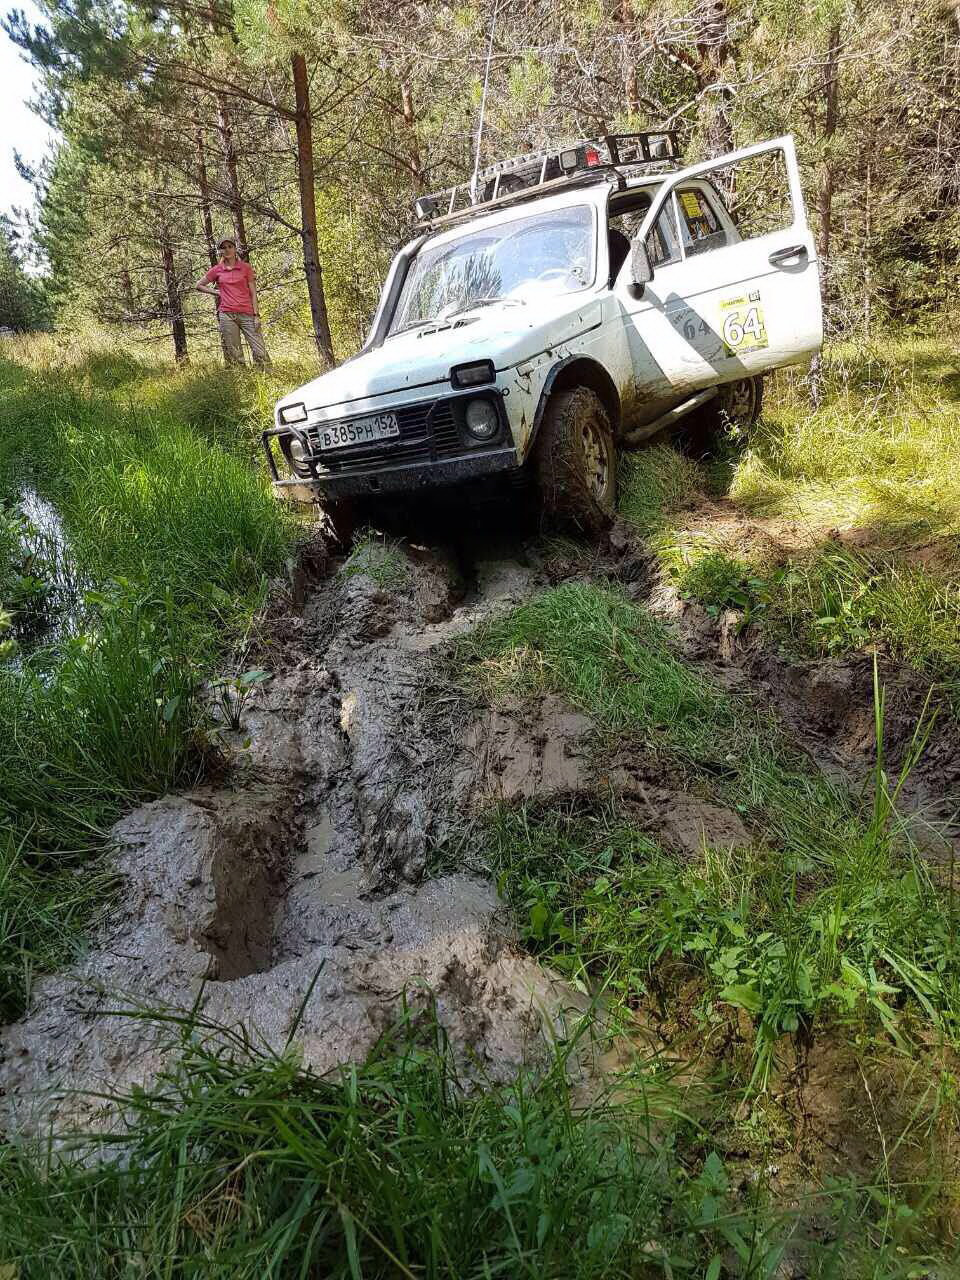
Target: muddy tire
575	462
736	407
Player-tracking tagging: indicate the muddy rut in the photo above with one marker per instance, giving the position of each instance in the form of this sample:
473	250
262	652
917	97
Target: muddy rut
292	892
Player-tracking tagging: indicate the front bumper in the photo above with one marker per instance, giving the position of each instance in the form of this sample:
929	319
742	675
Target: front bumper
431	451
404	479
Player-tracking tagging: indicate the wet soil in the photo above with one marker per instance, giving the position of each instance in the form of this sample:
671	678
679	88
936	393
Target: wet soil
828	707
290	894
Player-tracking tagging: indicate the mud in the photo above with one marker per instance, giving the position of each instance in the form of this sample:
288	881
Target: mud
304	868
291	897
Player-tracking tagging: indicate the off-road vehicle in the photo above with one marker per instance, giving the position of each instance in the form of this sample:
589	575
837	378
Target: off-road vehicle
559	307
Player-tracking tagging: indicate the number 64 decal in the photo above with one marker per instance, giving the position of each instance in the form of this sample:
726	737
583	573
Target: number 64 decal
742	325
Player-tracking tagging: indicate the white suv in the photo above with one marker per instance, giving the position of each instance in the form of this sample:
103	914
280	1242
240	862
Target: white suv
546	327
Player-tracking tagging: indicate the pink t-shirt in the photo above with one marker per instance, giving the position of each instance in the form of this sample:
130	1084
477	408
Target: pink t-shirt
234	285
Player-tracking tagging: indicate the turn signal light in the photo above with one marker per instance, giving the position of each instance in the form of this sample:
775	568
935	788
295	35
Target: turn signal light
473	375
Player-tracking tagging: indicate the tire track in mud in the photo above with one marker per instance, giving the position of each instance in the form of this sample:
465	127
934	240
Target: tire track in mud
291	891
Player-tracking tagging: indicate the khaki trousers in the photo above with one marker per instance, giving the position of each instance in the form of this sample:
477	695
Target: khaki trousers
232	325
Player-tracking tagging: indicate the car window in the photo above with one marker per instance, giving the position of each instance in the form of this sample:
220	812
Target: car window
524	259
663	243
700	224
627	215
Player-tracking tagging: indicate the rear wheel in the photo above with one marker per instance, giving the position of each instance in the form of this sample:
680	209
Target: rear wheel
738	403
575	461
733	411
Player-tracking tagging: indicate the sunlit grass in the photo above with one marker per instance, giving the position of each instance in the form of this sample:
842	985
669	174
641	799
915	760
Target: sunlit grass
171	534
883	448
837	527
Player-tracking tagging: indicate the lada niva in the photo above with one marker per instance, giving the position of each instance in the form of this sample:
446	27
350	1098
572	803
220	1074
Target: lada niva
558	308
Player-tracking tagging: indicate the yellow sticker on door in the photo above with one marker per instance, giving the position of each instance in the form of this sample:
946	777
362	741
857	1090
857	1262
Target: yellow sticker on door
742	325
691	204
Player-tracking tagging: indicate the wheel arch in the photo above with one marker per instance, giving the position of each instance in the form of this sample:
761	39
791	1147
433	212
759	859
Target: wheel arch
579	371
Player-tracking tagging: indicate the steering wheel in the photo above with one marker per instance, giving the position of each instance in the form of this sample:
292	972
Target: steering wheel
554	273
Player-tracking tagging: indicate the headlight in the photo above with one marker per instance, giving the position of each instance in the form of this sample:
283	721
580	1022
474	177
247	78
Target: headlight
298	452
293	413
482	420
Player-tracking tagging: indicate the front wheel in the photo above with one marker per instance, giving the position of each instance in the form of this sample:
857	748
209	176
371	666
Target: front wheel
575	461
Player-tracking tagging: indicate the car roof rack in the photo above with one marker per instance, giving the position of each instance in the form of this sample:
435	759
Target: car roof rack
536	173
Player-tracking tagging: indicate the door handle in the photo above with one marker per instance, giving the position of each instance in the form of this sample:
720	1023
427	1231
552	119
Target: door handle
780	257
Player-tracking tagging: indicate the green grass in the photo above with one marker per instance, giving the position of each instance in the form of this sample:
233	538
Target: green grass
882	450
655	483
242	1164
171	533
864	940
611	659
830	908
375	556
880	455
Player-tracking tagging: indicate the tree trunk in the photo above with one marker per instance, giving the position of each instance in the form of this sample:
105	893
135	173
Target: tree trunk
205	208
631	82
174	300
413	145
713	51
207	217
230	161
308	212
831	91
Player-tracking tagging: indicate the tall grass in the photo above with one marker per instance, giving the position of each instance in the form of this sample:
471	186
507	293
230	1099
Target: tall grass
170	533
882	449
239	1163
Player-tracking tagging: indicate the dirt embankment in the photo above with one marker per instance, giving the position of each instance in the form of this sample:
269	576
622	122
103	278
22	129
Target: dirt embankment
292	892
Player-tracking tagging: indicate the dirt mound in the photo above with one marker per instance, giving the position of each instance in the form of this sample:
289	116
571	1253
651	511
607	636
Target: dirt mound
545	751
521	752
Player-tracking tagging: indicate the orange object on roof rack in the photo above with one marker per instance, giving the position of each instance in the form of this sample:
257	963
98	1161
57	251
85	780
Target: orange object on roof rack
528	173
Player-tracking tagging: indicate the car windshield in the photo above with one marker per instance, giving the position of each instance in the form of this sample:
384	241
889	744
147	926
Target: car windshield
519	261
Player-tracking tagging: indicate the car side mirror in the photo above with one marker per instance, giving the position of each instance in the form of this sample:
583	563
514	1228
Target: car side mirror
641	270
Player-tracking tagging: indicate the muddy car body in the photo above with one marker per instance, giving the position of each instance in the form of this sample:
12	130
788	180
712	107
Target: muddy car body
546	328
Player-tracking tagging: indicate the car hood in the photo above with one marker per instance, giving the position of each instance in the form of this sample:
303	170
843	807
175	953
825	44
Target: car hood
507	335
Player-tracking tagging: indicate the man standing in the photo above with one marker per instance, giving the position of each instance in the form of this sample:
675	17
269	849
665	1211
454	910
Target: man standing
235	288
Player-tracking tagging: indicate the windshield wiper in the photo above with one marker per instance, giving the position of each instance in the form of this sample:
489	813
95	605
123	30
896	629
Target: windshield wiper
484	302
415	324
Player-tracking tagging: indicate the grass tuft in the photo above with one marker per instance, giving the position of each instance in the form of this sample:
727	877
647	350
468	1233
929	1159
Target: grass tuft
379	558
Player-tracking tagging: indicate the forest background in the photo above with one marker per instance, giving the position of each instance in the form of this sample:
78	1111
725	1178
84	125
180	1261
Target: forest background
306	128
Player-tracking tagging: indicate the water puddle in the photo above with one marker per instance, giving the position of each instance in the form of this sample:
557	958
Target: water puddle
41	588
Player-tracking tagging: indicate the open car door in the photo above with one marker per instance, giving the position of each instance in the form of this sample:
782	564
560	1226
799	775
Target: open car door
735	289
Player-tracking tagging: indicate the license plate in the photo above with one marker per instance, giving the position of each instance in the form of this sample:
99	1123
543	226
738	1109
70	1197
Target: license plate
381	426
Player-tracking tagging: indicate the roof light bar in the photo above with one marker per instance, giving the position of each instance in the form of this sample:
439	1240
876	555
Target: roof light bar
527	172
